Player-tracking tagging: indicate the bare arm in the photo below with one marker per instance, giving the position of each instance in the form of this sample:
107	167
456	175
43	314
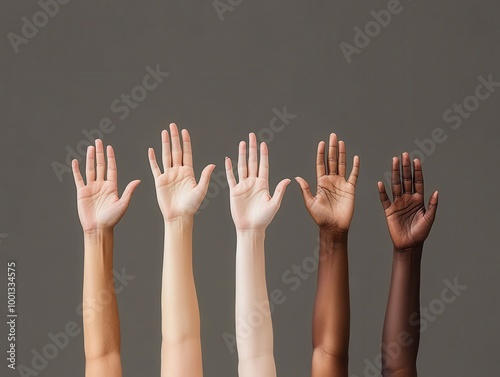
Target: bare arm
179	197
409	225
332	209
99	210
252	209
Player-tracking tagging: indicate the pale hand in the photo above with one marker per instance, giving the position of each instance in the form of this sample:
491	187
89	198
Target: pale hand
252	206
178	194
99	206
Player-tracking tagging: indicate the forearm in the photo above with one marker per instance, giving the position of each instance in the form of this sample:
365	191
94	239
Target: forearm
402	319
100	310
331	318
254	332
181	344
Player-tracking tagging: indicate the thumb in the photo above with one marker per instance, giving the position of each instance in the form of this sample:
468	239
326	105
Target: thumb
279	192
129	190
432	207
305	189
205	178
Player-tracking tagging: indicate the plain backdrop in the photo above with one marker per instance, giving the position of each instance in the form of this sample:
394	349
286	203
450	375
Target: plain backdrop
228	75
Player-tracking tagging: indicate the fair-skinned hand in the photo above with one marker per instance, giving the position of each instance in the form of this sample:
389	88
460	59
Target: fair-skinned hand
99	206
178	194
252	206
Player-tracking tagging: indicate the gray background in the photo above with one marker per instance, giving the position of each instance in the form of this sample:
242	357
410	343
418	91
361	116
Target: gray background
226	77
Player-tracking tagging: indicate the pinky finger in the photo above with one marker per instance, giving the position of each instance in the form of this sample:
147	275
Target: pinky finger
77	175
432	207
229	173
384	198
353	178
152	162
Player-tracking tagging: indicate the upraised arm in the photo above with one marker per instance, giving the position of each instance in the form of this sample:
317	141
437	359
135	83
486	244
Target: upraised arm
409	225
253	209
99	210
179	197
332	208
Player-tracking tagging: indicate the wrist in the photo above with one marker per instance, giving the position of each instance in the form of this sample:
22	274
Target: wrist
179	222
334	236
408	254
179	218
98	232
251	231
411	249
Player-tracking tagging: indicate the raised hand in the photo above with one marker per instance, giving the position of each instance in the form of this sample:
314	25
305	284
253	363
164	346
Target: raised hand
252	206
99	206
333	205
408	220
177	192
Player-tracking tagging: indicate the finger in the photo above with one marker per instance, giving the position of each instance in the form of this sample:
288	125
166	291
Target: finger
320	160
90	168
187	156
430	214
204	180
176	145
407	179
129	190
252	156
242	161
396	179
342	159
111	174
306	190
77	175
384	199
101	164
166	156
229	173
332	154
152	162
264	161
279	192
418	177
353	177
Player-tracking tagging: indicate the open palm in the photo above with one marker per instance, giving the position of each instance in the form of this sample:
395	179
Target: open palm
99	206
177	192
333	205
408	220
252	206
